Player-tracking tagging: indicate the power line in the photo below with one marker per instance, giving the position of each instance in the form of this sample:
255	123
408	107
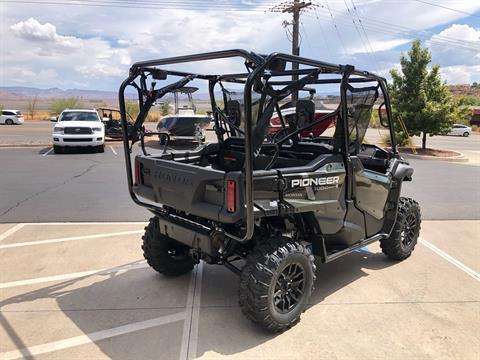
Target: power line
336	28
181	5
382	30
323	34
393	29
448	8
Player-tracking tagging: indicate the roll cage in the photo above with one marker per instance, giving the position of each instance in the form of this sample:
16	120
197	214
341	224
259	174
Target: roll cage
259	78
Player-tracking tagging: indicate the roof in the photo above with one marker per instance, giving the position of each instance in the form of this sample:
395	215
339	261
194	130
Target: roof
81	110
9	110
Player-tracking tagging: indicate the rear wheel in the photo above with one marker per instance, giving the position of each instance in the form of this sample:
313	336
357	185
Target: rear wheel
276	283
9	122
164	254
403	239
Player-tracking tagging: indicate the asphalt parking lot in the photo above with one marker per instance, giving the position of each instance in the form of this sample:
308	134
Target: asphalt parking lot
74	285
83	292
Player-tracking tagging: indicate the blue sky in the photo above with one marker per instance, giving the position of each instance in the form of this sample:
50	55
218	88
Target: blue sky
92	47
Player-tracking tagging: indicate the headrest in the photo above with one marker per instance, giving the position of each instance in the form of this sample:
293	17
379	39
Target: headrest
234	112
305	111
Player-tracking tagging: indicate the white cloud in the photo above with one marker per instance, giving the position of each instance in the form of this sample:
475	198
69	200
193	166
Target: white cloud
460	74
95	46
34	31
379	45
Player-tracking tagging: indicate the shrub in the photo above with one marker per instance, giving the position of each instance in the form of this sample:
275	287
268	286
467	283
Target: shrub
400	139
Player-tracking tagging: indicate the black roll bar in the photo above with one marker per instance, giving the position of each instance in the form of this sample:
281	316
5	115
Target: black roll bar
260	63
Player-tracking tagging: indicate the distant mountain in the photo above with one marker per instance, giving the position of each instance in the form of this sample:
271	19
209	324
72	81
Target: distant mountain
15	92
25	93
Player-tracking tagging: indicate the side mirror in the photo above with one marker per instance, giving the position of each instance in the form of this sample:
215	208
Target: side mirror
53	118
382	119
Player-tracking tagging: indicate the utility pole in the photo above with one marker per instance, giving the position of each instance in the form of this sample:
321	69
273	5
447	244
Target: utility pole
294	8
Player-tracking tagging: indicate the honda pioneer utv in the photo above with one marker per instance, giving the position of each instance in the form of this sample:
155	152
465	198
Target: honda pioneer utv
261	205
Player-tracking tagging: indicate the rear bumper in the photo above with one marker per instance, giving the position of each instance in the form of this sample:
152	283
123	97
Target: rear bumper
191	234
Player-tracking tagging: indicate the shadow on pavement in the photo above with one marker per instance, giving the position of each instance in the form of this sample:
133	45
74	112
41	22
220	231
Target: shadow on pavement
128	297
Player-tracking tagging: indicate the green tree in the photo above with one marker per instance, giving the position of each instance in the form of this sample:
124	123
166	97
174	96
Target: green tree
58	105
419	97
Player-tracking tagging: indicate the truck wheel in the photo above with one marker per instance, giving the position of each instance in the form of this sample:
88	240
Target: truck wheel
57	149
276	283
403	239
101	148
165	255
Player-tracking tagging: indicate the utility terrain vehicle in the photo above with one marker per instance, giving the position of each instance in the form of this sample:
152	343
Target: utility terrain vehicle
263	206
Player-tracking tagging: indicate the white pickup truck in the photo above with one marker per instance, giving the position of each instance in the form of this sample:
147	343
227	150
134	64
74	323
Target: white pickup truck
78	127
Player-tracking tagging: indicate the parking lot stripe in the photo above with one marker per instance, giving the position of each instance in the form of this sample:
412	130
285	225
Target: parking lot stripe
11	231
113	150
75	275
73	238
190	326
450	259
91	337
48	152
192	348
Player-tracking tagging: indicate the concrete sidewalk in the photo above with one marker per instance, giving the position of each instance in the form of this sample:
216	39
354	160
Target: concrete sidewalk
83	291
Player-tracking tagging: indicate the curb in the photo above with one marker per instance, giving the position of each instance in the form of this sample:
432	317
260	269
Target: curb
459	158
23	145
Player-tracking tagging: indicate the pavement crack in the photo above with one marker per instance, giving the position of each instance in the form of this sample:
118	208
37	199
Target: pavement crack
19	203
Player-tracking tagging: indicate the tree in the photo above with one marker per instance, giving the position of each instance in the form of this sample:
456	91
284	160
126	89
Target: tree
419	97
132	108
31	106
57	106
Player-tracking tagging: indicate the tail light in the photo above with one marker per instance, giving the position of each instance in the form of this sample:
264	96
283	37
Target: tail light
231	192
19	116
137	172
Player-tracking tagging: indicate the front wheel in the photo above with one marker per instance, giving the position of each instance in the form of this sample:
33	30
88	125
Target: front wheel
465	134
276	283
163	254
406	230
57	149
101	148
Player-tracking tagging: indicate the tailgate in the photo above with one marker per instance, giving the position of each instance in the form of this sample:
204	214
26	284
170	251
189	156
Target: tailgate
190	188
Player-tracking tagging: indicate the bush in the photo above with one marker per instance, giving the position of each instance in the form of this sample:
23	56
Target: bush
475	128
57	106
400	139
375	121
133	109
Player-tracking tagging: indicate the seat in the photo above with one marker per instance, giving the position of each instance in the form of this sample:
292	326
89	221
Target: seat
305	113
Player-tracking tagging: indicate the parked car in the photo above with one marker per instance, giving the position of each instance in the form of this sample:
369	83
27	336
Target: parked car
460	130
11	117
78	127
